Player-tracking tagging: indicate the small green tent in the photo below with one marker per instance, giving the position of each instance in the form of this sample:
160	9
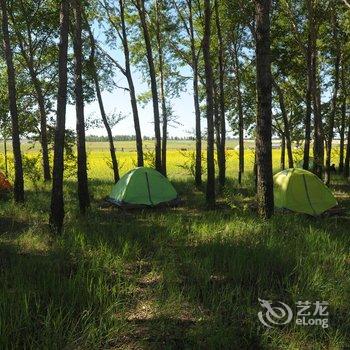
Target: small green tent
302	191
143	187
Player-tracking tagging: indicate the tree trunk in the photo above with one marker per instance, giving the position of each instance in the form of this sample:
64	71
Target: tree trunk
43	129
42	110
343	118
11	83
307	122
43	123
319	134
162	91
152	71
334	102
347	155
283	152
264	116
255	172
132	92
316	98
57	201
210	193
164	140
198	166
6	159
240	115
102	109
83	189
342	136
217	121
222	124
286	126
108	128
27	55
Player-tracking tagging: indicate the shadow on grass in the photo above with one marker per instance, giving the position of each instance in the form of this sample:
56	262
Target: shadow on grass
51	300
225	278
12	227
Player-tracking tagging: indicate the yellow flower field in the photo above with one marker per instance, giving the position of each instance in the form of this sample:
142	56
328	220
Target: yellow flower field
180	157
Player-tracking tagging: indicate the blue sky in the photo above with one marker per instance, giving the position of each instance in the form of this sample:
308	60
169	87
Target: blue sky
119	101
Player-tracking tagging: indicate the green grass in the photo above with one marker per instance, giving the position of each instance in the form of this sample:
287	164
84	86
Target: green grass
168	279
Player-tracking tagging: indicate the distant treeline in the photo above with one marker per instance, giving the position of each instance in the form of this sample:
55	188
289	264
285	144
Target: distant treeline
95	138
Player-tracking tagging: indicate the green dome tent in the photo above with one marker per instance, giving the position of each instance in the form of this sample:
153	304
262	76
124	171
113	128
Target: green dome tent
302	191
143	187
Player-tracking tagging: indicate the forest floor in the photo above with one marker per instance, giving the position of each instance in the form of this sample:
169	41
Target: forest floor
184	277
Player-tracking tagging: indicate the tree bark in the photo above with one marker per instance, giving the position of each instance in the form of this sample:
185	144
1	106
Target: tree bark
318	146
343	118
43	128
28	57
222	110
240	115
307	122
164	141
332	118
11	83
140	4
194	56
83	189
283	152
57	201
162	91
347	155
264	116
102	109
286	126
342	137
210	192
217	134
135	112
319	134
6	159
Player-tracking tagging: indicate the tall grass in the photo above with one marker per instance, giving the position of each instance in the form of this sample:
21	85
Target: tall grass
168	279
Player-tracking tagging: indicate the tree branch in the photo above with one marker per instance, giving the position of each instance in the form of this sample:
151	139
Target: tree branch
346	3
111	59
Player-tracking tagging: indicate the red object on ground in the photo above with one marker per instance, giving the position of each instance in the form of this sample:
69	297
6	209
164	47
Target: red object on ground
4	183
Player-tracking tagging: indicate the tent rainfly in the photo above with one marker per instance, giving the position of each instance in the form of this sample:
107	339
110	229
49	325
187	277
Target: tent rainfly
302	191
143	187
